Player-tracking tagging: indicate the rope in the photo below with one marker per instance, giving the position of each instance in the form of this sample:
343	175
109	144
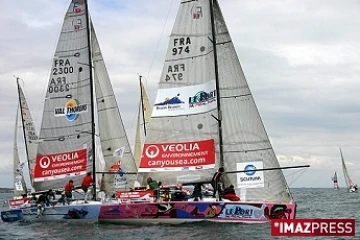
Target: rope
304	170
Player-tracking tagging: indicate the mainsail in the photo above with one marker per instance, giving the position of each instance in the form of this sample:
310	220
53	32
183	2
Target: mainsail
203	87
66	145
114	142
29	132
19	181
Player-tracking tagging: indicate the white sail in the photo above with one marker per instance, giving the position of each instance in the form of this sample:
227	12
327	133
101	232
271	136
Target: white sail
29	131
184	116
65	149
335	180
348	181
143	119
19	182
112	133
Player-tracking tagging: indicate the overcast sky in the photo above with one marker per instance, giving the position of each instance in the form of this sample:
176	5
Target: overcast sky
301	59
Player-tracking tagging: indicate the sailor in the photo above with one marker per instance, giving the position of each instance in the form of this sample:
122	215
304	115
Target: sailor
197	192
216	182
62	199
153	185
86	183
42	200
33	200
50	195
68	190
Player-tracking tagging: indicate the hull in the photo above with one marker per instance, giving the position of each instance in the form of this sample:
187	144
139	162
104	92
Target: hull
76	210
188	211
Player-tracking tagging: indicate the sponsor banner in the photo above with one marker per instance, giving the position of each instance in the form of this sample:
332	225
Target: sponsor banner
13	203
251	178
178	156
60	165
71	110
312	227
186	100
239	211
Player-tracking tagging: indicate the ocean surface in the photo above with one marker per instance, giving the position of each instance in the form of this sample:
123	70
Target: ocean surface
312	203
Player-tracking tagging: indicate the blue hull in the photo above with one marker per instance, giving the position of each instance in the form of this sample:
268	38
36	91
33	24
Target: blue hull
88	211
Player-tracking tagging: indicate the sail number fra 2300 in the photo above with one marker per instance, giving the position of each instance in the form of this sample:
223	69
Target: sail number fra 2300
58	83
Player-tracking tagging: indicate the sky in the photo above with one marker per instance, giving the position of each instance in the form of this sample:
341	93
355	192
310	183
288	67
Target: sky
301	59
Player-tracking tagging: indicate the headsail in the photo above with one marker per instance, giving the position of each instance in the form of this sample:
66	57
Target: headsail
190	113
114	142
246	143
65	149
143	119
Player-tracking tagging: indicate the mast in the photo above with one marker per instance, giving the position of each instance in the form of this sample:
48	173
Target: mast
219	118
92	97
23	127
142	104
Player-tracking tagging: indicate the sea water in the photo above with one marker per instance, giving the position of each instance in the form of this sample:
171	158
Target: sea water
312	203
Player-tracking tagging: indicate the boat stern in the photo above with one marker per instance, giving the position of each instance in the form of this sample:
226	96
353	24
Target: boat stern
12	215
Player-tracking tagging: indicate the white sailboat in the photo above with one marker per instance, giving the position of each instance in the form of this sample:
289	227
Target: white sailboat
351	186
29	135
20	187
205	117
335	181
79	102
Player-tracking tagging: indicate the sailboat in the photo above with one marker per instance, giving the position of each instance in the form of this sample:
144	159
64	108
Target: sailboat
204	118
80	117
336	185
351	186
29	134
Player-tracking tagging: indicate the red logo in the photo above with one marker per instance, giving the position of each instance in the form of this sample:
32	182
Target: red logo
313	227
60	164
178	156
115	167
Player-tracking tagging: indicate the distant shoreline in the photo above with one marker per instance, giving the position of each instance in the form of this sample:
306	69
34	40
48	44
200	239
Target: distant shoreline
6	190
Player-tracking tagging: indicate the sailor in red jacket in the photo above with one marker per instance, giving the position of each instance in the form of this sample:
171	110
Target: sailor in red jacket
86	183
68	190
